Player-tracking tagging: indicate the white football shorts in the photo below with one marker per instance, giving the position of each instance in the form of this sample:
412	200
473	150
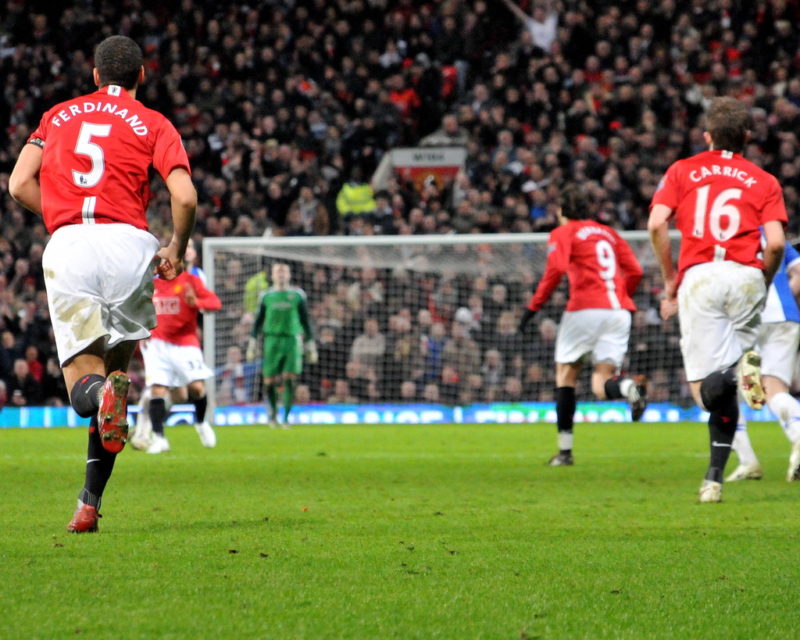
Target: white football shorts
778	343
601	333
719	308
99	285
172	365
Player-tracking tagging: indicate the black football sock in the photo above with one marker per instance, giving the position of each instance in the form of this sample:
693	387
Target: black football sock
158	413
200	406
272	396
617	387
288	397
613	392
721	431
717	388
99	465
85	395
565	415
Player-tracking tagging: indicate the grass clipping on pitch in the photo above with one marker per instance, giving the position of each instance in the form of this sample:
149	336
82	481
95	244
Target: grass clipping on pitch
399	532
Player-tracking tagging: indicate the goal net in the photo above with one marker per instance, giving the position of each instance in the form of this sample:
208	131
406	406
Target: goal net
422	320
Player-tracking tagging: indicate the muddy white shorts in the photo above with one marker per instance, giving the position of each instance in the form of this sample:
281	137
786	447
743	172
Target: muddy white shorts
172	365
601	333
99	285
719	308
777	343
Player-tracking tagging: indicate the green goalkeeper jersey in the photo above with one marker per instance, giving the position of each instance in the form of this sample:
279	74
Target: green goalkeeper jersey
283	313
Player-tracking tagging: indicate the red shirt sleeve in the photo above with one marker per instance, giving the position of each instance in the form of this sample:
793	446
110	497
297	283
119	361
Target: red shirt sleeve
207	300
667	190
169	153
774	207
39	135
629	265
558	249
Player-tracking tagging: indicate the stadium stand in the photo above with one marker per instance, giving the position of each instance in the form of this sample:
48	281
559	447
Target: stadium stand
287	108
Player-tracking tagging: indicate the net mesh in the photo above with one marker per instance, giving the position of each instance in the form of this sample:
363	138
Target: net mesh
433	321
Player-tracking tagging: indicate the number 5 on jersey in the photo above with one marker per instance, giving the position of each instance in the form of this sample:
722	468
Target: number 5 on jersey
85	147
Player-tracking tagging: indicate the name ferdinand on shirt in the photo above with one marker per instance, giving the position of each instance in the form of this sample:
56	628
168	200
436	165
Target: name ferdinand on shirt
139	127
697	175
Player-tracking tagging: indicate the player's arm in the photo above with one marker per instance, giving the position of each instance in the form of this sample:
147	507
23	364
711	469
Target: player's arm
513	8
183	200
310	346
774	243
305	318
557	263
558	250
23	184
205	299
658	227
252	342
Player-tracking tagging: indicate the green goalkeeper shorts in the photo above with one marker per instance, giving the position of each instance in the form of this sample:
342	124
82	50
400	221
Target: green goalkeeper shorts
282	354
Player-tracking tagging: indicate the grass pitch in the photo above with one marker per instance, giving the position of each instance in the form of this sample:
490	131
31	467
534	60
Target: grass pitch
399	532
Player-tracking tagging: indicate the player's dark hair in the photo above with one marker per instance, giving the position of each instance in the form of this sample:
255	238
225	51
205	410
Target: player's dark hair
118	60
728	122
574	204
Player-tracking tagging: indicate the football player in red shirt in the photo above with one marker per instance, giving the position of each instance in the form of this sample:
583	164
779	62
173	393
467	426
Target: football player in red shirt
172	356
603	273
85	170
720	202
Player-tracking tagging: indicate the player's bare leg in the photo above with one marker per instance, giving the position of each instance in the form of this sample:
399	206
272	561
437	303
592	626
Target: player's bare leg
158	415
566	379
87	376
140	440
197	396
787	410
607	385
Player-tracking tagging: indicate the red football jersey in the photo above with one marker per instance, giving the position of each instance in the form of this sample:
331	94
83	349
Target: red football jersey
719	200
177	319
97	153
602	270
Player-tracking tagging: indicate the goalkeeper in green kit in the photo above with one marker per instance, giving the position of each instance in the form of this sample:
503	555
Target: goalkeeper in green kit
284	323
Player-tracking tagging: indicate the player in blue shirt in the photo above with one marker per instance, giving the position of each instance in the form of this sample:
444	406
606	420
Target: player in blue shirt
778	340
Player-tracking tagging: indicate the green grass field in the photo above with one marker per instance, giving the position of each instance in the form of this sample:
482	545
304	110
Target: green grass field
399	532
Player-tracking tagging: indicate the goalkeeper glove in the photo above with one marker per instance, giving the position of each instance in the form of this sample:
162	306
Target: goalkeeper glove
526	318
311	352
250	354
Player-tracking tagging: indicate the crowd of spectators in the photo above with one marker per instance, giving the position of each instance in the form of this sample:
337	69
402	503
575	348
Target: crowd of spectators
283	104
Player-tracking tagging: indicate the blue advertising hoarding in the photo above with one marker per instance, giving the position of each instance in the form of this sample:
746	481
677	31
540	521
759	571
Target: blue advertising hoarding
324	414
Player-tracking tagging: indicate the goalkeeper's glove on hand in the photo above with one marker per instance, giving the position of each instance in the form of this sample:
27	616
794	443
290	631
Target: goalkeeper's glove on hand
311	352
526	318
250	354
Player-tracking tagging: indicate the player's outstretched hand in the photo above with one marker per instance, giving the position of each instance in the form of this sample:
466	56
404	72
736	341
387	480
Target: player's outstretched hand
170	265
526	318
669	307
311	354
250	354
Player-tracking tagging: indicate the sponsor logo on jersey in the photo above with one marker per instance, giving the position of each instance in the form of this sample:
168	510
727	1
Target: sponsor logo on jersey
167	306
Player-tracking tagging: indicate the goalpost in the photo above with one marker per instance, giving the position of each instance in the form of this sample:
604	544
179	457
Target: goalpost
420	321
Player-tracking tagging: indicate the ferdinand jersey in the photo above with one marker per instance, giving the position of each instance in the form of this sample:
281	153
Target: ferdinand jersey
601	268
97	153
177	304
719	200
